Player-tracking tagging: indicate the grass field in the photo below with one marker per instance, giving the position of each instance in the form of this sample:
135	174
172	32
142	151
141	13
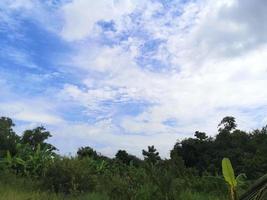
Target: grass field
14	193
14	188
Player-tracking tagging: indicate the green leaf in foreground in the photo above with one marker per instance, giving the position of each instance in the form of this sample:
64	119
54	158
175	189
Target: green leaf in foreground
228	172
229	177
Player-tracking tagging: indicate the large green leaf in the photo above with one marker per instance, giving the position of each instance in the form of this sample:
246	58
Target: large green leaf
228	172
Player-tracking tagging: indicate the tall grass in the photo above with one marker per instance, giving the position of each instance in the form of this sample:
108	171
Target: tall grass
13	187
17	188
189	195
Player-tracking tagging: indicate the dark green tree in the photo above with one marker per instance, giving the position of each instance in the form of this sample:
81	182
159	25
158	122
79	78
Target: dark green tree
126	158
8	138
151	156
123	156
201	135
84	152
176	161
196	153
254	159
227	124
37	136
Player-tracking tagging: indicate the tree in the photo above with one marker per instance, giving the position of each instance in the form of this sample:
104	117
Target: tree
123	156
199	153
8	138
151	156
201	135
176	159
227	124
126	158
37	136
84	152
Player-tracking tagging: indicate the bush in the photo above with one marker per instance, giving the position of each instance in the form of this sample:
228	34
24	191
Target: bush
70	175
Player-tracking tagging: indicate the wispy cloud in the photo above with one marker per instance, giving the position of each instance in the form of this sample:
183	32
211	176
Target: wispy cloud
25	109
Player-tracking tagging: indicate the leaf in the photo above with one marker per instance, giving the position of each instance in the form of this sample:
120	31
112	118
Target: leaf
8	158
241	179
20	161
228	172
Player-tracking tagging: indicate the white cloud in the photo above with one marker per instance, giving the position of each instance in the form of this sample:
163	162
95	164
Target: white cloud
80	16
213	56
30	111
221	30
43	13
210	76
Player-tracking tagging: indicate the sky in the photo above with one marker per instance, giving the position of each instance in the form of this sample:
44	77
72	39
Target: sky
125	74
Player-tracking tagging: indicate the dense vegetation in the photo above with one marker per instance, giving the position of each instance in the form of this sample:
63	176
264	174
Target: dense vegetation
31	168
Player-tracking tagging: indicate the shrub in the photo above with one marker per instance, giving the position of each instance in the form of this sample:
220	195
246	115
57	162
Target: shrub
70	175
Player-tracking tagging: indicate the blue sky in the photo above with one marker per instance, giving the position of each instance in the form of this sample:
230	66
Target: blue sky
125	74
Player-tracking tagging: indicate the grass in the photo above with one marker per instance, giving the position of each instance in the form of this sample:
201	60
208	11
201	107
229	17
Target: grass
16	188
18	192
11	193
189	195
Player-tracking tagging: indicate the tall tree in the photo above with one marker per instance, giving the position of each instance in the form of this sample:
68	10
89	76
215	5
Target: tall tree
201	135
8	138
87	151
176	160
37	136
227	124
126	158
151	156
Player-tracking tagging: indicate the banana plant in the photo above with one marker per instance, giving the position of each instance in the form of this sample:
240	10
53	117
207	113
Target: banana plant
229	176
13	163
27	161
38	160
101	166
7	161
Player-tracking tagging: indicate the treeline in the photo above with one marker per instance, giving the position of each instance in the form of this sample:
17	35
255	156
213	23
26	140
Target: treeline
193	170
246	150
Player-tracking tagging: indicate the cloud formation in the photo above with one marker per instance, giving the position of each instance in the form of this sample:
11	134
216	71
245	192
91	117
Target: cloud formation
150	72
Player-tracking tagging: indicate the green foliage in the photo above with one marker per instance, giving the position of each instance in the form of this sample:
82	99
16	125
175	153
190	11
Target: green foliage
71	175
228	172
8	138
229	176
247	151
242	182
193	171
201	135
84	152
127	159
151	156
37	136
27	161
189	195
13	187
227	124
